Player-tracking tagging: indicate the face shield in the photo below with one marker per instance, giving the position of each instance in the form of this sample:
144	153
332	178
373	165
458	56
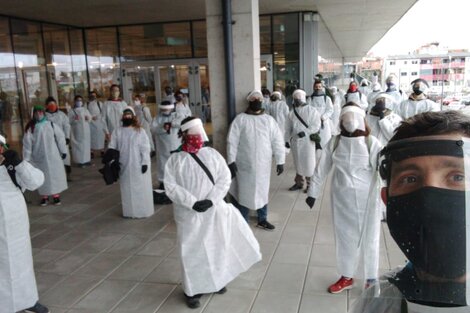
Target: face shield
299	97
195	127
427	199
352	119
382	101
419	86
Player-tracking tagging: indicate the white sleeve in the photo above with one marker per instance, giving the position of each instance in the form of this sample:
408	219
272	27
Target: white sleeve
322	169
65	125
27	145
328	109
314	122
222	179
388	125
288	130
375	148
175	192
277	143
147	115
144	148
28	177
60	139
113	143
233	139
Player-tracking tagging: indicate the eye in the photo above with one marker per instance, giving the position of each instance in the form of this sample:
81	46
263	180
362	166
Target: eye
408	180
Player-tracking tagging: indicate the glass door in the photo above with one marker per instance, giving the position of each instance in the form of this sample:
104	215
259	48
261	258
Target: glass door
140	79
266	66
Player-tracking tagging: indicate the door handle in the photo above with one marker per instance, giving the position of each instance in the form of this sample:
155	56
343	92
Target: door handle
199	103
192	104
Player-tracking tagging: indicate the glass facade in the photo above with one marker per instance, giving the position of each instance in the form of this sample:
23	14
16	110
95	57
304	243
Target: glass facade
43	59
330	61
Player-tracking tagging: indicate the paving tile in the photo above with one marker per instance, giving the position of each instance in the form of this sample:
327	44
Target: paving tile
292	253
276	302
284	278
161	246
145	298
46	281
129	244
168	272
175	303
101	266
99	243
233	301
323	304
67	264
136	268
69	291
105	296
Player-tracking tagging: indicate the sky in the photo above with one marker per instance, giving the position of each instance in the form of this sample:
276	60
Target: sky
444	21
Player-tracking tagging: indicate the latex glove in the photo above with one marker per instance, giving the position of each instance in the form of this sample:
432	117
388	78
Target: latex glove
202	205
381	114
310	202
107	137
167	126
64	155
144	168
301	134
12	158
67	141
233	169
280	169
94	118
287	145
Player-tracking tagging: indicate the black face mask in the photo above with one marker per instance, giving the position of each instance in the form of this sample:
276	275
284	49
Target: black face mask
417	91
274	98
298	102
379	106
318	92
126	122
429	227
255	105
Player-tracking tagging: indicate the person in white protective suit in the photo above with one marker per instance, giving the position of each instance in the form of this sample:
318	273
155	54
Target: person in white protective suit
182	110
376	89
135	178
394	91
425	169
364	87
382	121
166	137
336	110
97	128
168	95
354	95
215	242
60	119
302	132
323	104
253	139
44	147
18	290
144	117
353	157
266	98
80	119
112	111
418	101
279	110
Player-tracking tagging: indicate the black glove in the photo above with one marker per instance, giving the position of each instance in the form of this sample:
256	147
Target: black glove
280	169
12	158
64	155
315	137
310	202
233	169
301	134
202	206
381	114
287	145
144	168
318	146
67	141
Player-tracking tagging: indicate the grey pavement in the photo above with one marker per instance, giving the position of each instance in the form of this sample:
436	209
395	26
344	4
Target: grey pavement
88	259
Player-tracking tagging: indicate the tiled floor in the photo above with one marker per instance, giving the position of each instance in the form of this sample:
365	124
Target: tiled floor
90	260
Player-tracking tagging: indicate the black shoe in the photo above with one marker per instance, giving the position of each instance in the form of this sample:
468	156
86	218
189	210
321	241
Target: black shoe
44	202
222	291
193	302
38	308
295	187
265	225
57	201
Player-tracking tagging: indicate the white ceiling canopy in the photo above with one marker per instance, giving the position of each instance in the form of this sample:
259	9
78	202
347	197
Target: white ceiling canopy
355	25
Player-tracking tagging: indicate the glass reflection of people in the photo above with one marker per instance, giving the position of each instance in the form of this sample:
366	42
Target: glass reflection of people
424	167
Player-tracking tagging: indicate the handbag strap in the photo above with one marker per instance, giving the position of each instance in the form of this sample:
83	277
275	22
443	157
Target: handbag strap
203	166
300	119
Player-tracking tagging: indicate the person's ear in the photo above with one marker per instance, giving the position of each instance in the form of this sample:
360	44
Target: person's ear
384	195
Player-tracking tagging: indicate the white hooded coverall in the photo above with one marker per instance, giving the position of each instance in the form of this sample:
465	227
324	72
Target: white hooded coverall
279	110
251	143
216	245
324	106
61	119
165	142
353	160
410	107
80	140
383	129
136	187
44	149
112	114
358	98
97	128
18	289
145	118
303	149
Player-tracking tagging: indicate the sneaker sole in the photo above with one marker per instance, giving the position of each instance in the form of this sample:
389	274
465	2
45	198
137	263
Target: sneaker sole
339	291
265	228
28	311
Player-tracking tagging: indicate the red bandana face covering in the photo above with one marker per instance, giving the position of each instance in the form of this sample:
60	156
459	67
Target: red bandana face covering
192	143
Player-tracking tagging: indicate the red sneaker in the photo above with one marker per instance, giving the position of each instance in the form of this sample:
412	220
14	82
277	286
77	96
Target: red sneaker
342	284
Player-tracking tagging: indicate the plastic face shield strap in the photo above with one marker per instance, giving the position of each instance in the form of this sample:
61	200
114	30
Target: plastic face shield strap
195	127
443	202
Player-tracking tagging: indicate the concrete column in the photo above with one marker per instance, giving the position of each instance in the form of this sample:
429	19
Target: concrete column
309	46
246	58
